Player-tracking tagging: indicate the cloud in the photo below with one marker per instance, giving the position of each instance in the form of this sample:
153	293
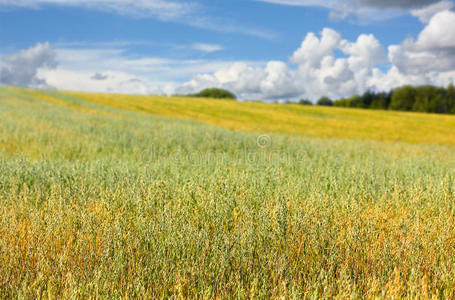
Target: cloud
425	14
180	11
438	34
207	47
99	76
315	69
324	64
165	10
403	4
101	69
365	53
115	70
22	68
115	82
313	49
119	60
368	9
274	81
434	50
380	4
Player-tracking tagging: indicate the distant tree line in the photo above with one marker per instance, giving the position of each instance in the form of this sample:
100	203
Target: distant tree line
426	98
214	93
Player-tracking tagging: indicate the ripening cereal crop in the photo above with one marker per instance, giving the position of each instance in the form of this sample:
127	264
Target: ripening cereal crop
114	196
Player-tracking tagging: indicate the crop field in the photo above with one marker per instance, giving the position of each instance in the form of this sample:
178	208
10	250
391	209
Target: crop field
115	196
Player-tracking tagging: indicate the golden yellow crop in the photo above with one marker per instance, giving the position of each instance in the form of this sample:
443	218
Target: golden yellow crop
116	196
295	119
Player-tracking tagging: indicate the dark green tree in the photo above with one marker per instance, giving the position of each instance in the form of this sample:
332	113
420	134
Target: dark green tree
451	98
358	102
381	101
325	101
304	101
343	102
428	98
215	93
403	98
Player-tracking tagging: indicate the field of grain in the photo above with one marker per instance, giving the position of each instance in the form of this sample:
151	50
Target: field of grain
111	196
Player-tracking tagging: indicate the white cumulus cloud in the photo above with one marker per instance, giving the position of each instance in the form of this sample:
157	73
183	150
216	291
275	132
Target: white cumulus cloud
22	68
426	13
315	69
434	50
325	64
313	50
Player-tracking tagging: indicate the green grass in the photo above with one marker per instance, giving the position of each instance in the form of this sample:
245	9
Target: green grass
313	121
99	200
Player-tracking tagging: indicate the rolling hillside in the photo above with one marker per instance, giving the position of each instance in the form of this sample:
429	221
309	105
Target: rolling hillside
261	117
115	196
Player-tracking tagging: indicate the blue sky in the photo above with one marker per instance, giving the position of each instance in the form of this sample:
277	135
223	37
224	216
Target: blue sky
259	49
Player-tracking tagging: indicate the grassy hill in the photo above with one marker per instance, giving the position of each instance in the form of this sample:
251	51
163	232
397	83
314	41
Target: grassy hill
262	117
115	196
